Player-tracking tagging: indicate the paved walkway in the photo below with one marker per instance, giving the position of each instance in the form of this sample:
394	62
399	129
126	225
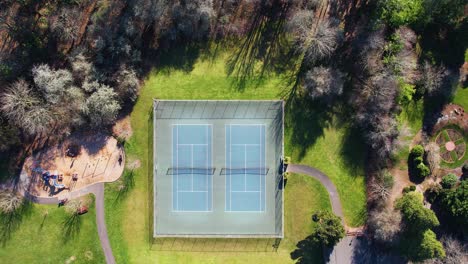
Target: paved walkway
98	191
342	253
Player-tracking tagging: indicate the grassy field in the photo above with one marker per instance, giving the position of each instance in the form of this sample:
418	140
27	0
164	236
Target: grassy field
128	216
41	238
130	244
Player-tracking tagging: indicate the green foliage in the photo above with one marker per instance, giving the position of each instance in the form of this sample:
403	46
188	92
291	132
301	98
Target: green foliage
466	55
410	188
416	216
407	92
417	151
402	12
423	170
455	203
449	180
393	46
422	246
329	229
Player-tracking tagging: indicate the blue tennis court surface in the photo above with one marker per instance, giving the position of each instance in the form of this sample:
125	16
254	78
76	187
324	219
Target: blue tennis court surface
245	164
191	173
218	168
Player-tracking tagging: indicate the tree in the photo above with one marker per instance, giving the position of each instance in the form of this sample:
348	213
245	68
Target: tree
102	106
329	229
432	79
325	41
66	26
455	203
382	185
324	83
455	252
52	83
81	67
430	247
415	215
10	201
25	109
403	12
433	156
449	180
385	225
127	84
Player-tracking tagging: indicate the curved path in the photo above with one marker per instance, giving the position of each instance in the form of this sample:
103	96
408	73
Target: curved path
98	191
325	181
343	251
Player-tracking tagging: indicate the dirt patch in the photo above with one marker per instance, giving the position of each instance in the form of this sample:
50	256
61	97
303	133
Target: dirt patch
123	128
135	164
51	171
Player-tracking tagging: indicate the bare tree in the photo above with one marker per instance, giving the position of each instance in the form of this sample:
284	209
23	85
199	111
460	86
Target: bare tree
433	156
52	83
127	84
432	78
81	67
102	106
455	250
25	109
385	225
325	40
381	185
10	201
66	26
324	83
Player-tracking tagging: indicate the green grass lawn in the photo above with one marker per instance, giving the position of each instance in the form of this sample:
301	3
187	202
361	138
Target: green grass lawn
129	233
128	218
40	238
461	97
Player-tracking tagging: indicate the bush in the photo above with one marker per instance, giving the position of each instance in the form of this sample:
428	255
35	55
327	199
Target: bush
418	160
415	215
449	180
410	188
417	151
423	170
329	229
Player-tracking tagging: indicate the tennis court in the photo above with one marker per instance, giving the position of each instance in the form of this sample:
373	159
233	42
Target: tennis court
245	167
191	177
217	168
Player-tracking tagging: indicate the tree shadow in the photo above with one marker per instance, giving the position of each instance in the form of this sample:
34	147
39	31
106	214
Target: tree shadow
366	252
306	120
264	46
307	251
353	150
71	227
10	222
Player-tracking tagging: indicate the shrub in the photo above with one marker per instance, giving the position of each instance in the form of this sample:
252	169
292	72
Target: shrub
402	12
423	170
406	189
329	229
418	160
406	93
417	151
449	180
415	215
412	188
10	201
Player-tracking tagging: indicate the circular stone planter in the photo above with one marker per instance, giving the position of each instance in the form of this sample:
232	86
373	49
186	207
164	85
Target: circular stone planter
452	145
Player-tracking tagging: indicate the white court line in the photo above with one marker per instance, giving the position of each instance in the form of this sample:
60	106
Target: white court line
230	165
246	145
246	191
245	166
193	191
192	144
191	165
177	163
